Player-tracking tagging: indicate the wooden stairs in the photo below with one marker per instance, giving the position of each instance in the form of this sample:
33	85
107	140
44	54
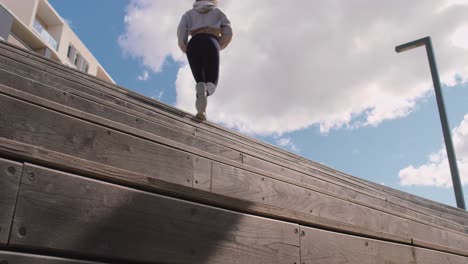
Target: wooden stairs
94	173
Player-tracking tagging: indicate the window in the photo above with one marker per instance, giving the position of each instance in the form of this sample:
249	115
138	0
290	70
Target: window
86	67
77	57
77	60
69	51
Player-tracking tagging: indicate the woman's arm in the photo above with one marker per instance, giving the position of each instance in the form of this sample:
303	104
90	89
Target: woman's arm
182	33
226	32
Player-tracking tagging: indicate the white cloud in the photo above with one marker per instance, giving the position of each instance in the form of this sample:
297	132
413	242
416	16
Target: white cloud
144	76
460	37
159	96
436	172
287	142
293	65
69	22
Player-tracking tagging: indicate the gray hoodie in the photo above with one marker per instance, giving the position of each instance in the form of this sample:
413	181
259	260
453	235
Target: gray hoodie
204	17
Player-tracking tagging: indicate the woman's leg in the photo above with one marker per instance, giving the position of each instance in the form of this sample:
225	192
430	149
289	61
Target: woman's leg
211	64
195	58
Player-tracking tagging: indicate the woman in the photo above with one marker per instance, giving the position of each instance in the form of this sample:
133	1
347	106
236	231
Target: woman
210	32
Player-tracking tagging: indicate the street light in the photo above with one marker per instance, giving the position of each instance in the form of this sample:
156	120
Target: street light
443	115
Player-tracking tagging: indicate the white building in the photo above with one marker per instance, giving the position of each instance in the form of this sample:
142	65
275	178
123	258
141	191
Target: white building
36	26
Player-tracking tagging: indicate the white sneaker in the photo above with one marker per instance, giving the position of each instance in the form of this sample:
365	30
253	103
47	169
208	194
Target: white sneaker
210	88
201	98
201	116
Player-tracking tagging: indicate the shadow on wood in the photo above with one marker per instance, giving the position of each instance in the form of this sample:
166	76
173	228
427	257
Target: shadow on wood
67	214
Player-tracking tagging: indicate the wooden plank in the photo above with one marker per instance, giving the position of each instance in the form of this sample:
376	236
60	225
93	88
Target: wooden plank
381	222
84	102
96	81
434	238
69	213
38	126
240	184
93	119
424	256
7	257
10	176
324	247
93	81
106	173
347	191
202	173
195	170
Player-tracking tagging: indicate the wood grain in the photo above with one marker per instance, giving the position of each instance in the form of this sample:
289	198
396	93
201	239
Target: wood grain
435	238
85	102
68	213
379	224
351	193
240	184
324	247
38	126
202	173
424	256
10	176
7	257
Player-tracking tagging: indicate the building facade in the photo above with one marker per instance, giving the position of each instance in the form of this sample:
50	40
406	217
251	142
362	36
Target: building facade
35	25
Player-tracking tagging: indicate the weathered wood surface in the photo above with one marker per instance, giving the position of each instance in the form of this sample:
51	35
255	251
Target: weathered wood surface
202	173
414	214
243	140
126	178
79	76
7	257
381	220
68	213
124	104
237	183
10	176
89	104
41	127
425	256
435	238
61	97
324	247
37	126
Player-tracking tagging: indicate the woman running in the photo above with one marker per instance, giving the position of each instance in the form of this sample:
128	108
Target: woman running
210	32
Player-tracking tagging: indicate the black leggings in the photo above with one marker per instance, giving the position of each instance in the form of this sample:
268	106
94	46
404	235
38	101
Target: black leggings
203	57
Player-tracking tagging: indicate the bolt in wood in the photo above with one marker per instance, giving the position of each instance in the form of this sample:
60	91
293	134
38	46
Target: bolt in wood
22	231
31	176
11	170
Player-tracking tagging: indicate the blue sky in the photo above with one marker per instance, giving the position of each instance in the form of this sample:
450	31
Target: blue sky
360	146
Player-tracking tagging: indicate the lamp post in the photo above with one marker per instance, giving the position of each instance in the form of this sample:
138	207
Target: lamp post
443	115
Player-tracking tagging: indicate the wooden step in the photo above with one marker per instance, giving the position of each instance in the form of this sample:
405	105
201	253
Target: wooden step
82	132
71	135
63	213
140	97
9	257
84	102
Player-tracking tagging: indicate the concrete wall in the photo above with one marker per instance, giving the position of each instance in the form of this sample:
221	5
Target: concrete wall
13	40
6	21
24	12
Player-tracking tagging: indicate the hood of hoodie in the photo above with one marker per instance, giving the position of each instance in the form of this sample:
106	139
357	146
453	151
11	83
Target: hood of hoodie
204	6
